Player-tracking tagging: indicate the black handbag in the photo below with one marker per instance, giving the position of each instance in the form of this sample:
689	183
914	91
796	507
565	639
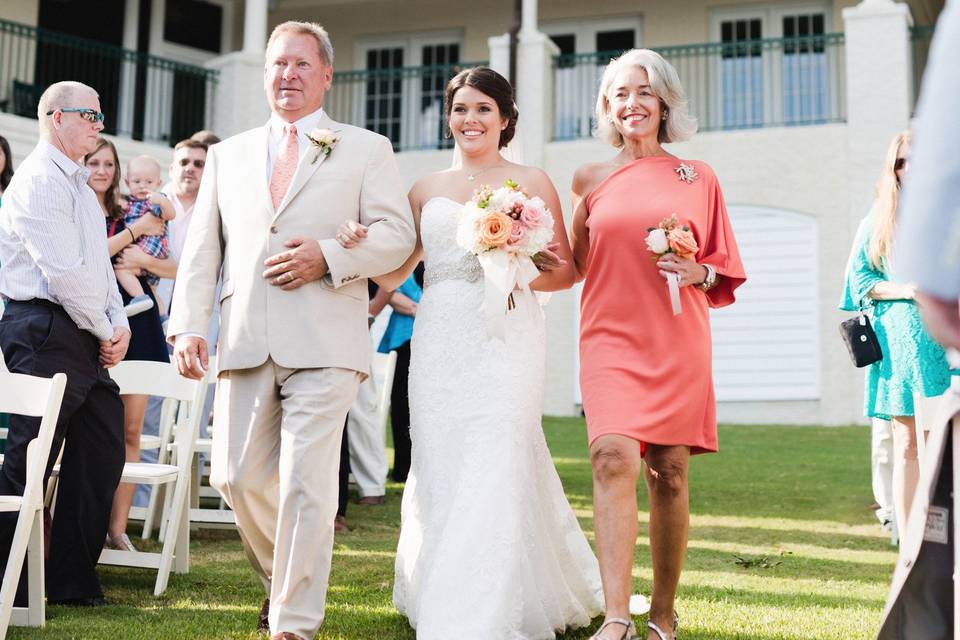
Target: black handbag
861	340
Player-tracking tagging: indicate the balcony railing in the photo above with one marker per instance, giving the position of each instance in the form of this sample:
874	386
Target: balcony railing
405	103
143	96
748	84
920	38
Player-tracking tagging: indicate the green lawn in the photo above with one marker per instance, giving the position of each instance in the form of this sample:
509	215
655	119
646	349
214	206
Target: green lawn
790	501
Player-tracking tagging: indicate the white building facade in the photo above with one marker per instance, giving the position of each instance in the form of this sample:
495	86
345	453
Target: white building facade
797	102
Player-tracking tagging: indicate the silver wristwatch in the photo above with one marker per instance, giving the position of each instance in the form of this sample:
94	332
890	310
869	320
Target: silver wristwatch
710	280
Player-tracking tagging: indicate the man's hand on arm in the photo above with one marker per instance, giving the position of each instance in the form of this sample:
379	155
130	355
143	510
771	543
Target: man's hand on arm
302	263
113	350
190	354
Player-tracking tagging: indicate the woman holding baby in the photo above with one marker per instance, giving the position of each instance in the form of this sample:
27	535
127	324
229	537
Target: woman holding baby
129	231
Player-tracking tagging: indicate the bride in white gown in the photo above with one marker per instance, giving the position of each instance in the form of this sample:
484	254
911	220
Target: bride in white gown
489	546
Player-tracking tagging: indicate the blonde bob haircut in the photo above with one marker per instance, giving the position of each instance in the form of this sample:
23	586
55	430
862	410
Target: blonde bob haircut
299	27
665	84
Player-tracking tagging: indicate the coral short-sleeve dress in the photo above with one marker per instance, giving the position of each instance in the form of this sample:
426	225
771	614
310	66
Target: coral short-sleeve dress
645	373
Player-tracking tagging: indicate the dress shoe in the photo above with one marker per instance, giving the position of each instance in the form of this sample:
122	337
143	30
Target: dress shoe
340	525
97	601
285	635
263	620
372	500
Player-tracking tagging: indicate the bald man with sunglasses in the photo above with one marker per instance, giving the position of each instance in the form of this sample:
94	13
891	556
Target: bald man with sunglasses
64	314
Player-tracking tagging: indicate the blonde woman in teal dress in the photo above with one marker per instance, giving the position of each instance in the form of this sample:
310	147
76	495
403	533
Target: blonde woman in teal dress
913	364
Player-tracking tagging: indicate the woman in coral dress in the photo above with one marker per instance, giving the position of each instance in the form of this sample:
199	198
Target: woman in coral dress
646	373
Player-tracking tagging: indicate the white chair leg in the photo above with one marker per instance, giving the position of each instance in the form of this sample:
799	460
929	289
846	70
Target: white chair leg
181	558
173	527
153	510
36	613
11	577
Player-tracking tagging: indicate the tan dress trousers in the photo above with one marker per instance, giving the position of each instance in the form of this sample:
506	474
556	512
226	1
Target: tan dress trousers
275	459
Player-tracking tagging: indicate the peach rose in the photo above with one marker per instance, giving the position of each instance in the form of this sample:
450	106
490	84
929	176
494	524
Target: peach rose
682	242
494	229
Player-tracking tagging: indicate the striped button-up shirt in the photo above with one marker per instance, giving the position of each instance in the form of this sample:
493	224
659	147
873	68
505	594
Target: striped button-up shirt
53	244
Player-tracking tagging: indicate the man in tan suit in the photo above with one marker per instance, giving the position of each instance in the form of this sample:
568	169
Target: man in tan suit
293	343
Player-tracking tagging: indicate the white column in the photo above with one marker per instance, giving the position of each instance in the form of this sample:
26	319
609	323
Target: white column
128	69
500	54
255	26
239	103
226	28
131	20
528	16
879	78
534	87
535	53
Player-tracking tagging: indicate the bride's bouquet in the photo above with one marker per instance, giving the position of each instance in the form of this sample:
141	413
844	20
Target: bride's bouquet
504	228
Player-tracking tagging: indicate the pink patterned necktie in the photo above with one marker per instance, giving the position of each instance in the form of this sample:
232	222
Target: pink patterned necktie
285	165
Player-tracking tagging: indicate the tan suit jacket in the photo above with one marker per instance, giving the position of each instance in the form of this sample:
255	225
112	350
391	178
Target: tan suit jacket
235	227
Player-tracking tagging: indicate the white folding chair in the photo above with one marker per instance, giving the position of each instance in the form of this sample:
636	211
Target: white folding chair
219	517
38	397
152	512
161	379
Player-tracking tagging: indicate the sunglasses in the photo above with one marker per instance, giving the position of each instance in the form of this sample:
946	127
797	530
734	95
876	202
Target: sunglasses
89	115
900	163
196	163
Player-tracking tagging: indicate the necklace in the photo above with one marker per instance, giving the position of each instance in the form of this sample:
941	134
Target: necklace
472	176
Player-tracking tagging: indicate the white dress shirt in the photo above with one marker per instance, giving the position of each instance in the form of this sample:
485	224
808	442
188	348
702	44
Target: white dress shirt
927	246
276	127
53	242
177	230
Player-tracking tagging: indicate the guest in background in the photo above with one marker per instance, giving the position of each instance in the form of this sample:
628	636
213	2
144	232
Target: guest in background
143	181
367	440
64	314
404	302
186	171
881	430
913	364
646	377
147	341
362	449
208	138
6	165
6	174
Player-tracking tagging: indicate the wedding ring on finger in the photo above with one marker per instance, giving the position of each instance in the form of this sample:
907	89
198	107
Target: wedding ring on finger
290	276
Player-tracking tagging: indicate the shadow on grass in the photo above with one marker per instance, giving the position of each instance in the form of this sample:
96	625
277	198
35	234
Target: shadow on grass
767	536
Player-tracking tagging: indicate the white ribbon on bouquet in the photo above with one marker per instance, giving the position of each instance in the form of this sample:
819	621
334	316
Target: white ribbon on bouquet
673	284
503	272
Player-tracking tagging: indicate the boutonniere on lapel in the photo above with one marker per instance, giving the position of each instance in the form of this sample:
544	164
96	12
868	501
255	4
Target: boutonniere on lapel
324	140
687	173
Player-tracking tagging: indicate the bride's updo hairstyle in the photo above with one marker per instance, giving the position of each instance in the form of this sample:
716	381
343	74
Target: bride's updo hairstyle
490	83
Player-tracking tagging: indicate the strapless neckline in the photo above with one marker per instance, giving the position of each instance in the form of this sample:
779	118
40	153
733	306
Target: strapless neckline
448	199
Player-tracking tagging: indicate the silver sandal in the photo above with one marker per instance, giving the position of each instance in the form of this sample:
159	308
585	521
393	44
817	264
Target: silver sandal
629	634
660	632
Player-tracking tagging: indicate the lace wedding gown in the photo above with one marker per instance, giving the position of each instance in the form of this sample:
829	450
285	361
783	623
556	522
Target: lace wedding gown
489	547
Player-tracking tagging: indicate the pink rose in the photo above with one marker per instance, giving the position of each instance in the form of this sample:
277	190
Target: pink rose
532	214
517	233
